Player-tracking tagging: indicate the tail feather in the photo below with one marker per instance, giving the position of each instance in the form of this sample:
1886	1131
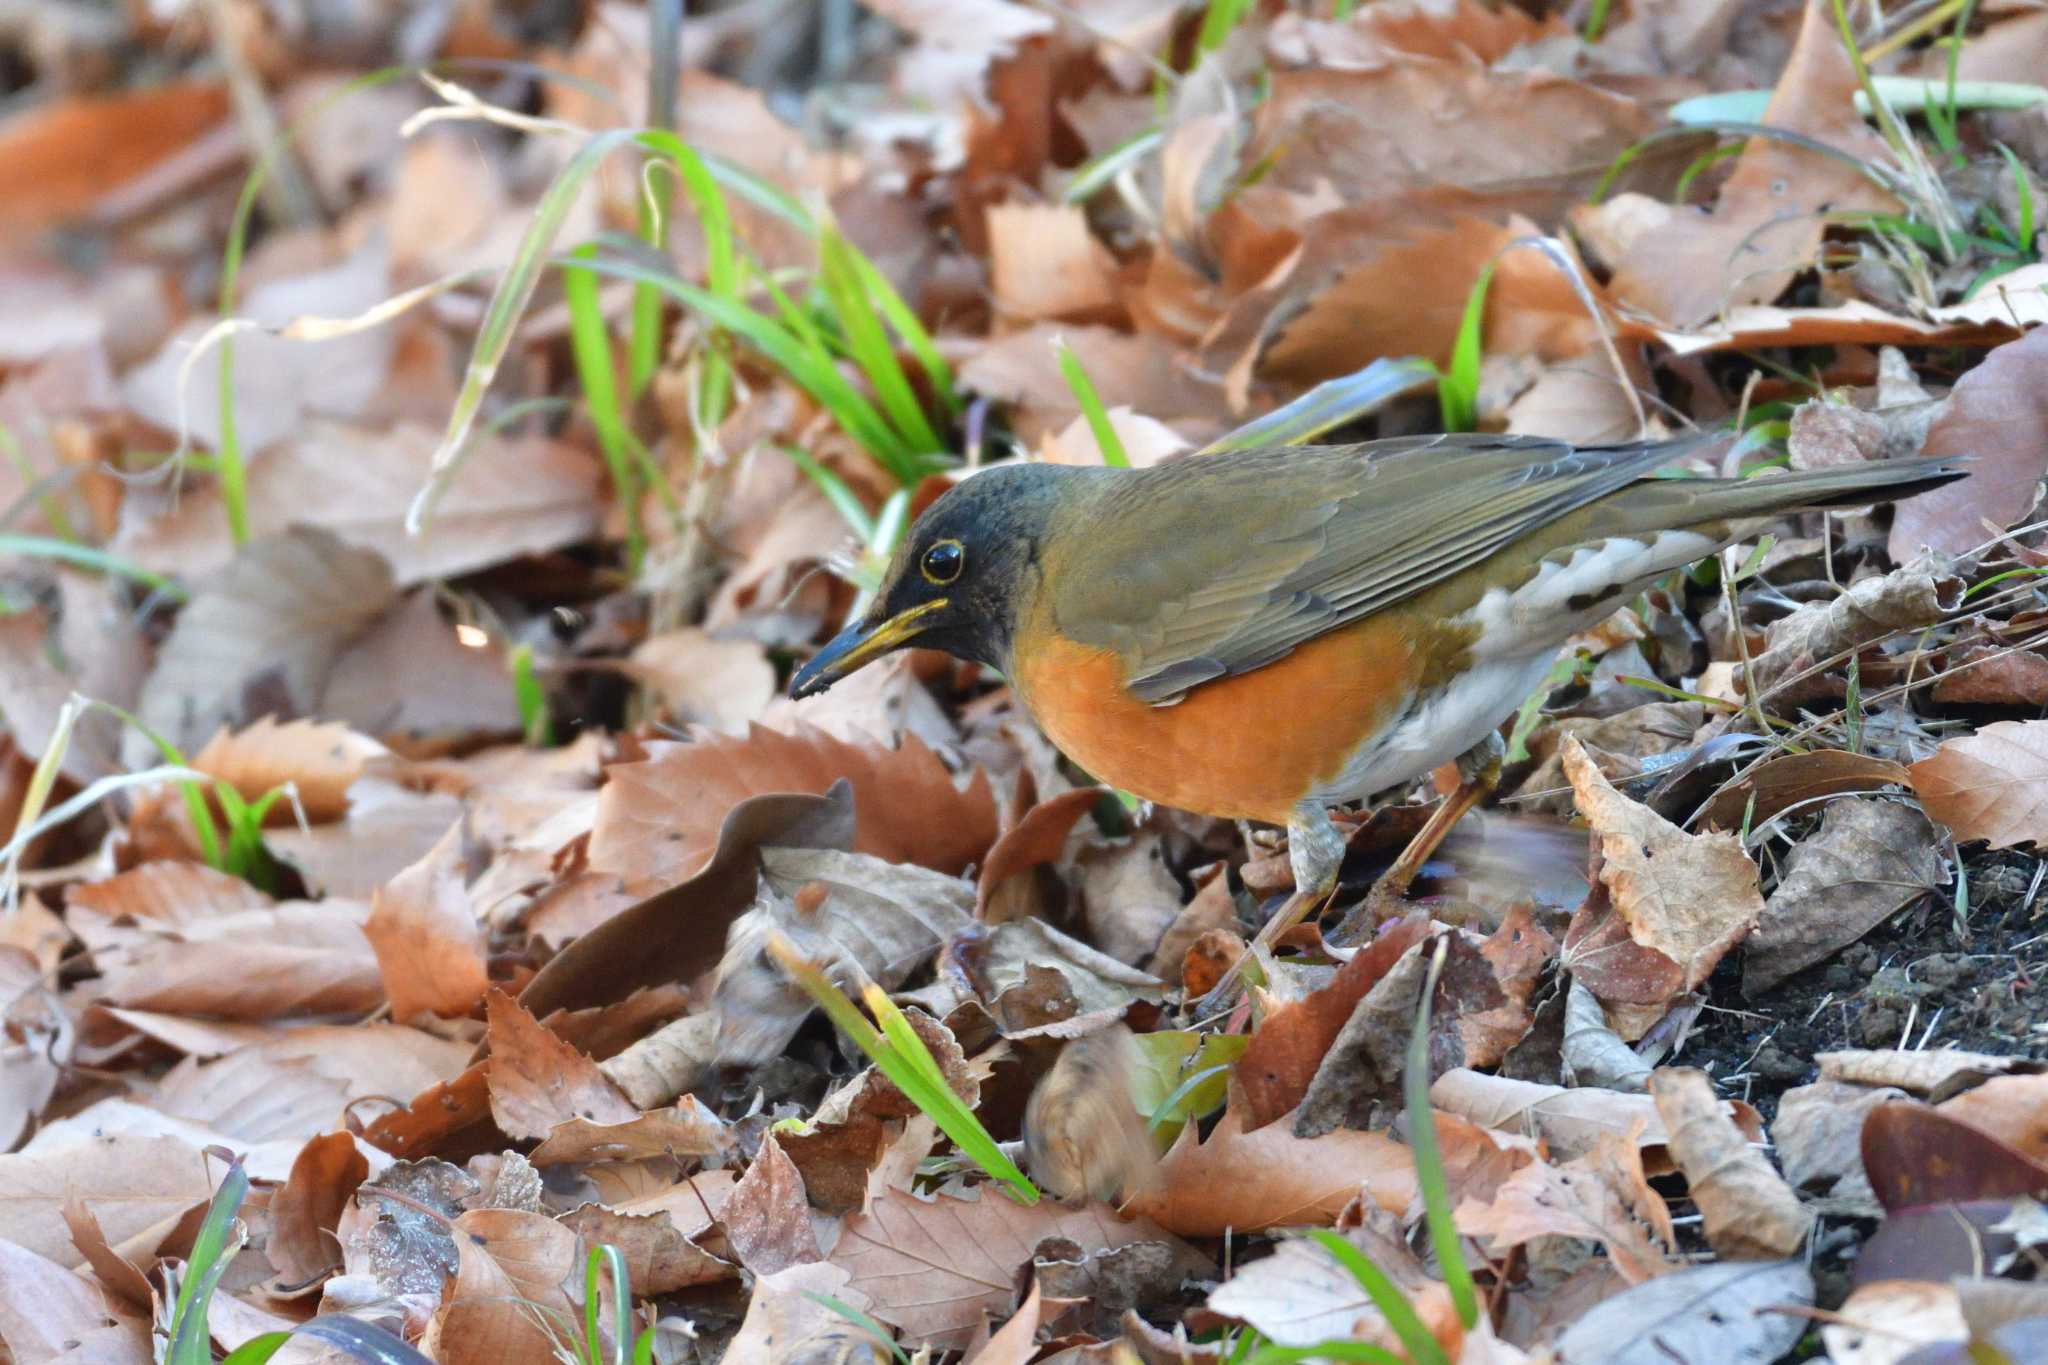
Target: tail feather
1858	485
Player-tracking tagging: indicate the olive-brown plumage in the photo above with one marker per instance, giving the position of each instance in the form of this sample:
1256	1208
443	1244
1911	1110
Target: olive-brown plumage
1265	633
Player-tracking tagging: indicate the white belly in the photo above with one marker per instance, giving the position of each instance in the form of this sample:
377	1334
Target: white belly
1520	633
1439	727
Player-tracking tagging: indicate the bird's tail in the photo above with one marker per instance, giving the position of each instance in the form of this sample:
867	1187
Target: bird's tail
1857	485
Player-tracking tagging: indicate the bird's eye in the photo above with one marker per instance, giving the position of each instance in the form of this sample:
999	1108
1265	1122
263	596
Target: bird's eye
942	562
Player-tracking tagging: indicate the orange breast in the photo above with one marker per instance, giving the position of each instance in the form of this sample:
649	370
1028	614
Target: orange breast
1245	747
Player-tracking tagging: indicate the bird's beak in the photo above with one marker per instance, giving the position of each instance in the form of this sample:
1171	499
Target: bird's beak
859	645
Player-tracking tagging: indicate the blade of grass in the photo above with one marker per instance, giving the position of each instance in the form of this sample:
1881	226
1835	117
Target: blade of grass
534	721
837	492
88	557
1458	391
1386	1296
358	1340
591	346
190	1342
912	1069
604	1261
1325	1350
868	343
1429	1161
1106	440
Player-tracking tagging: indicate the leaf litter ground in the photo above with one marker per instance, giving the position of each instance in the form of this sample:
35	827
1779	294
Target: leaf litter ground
416	823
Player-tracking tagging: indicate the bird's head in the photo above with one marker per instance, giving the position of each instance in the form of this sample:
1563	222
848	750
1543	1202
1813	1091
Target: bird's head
959	577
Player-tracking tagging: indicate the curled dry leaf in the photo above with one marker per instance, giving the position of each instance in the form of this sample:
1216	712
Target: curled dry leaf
684	1129
1910	597
36	1038
1688	897
1991	785
539	1081
660	1259
1786	780
767	1217
858	917
1751	1213
1569	1121
1036	839
658	819
1601	1196
1918	1073
788	1314
429	946
307	1208
1045	263
1869	859
2013	1109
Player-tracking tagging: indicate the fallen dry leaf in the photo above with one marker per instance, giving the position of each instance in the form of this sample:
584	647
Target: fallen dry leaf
539	1081
139	1188
260	635
1910	597
1869	859
49	1313
1688	897
1301	1295
1883	1323
1751	1213
305	1211
1991	785
1045	263
934	1267
786	1314
658	819
430	949
704	680
509	1290
1600	1196
1922	1072
319	759
1996	416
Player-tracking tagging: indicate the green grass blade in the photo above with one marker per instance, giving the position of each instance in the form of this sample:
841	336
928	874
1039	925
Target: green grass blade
501	317
946	1108
882	1335
868	343
605	1261
534	721
1326	1350
88	557
909	330
1386	1296
1429	1160
1458	391
354	1338
590	344
837	492
1095	175
190	1341
1106	440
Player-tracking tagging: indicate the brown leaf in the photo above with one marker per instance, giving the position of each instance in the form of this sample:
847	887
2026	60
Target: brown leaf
1983	675
1751	1213
48	1313
1289	1044
1685	265
63	156
660	1259
657	819
1998	416
1892	1320
1915	1154
319	758
1302	1295
304	1212
1601	1196
36	1040
116	1274
410	675
430	949
1919	1073
1268	1177
508	1296
1040	837
935	1267
786	1315
1991	785
1570	1121
706	680
538	1081
1909	597
2013	1109
1690	897
510	497
768	1218
1818	1135
261	634
1868	860
1786	780
139	1188
686	1129
1045	263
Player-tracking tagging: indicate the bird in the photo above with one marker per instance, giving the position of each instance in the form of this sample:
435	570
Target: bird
1265	634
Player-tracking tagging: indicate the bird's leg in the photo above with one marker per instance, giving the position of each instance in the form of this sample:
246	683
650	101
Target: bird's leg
1315	848
1478	774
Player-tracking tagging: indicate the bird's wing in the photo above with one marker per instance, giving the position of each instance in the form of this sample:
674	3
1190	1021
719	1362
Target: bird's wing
1283	545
